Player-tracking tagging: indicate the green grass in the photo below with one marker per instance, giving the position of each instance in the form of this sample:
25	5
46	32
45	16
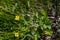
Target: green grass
33	20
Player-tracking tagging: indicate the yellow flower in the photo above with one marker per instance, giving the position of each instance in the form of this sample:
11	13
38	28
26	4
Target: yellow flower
16	34
16	17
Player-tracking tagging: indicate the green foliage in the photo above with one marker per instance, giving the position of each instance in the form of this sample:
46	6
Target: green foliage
33	17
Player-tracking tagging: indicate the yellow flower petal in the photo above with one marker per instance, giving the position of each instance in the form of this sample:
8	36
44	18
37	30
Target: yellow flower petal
16	34
16	17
